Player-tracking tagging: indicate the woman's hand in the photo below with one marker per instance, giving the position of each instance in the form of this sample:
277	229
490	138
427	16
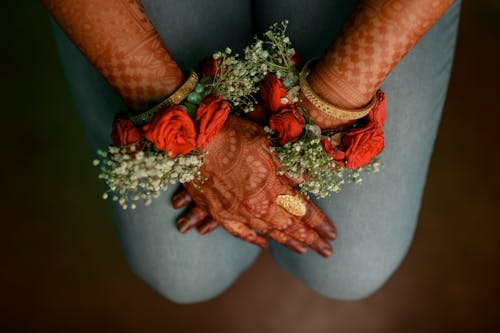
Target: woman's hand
240	191
119	40
378	35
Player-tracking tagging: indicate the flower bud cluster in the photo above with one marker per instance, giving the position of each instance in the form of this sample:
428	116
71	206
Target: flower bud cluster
237	80
306	159
132	175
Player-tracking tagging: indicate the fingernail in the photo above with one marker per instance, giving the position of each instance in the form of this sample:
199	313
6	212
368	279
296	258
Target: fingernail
301	248
332	234
177	201
326	249
182	225
326	252
205	229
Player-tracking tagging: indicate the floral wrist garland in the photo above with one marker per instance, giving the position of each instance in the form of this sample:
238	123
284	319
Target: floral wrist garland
145	158
322	160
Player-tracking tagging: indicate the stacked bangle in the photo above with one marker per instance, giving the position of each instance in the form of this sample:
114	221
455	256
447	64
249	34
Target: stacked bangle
176	98
330	109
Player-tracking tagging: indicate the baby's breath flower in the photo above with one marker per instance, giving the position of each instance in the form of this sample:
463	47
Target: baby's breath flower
133	175
237	80
306	158
143	175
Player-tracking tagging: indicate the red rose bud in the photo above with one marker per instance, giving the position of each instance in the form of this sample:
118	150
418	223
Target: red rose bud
124	132
274	94
296	59
334	151
210	117
362	144
378	113
209	66
288	123
172	131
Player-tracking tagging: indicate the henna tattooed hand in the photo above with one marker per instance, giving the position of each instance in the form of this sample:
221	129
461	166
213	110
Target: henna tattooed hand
240	190
117	37
373	41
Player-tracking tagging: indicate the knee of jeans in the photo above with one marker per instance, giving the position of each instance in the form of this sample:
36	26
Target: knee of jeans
191	274
353	289
186	284
352	276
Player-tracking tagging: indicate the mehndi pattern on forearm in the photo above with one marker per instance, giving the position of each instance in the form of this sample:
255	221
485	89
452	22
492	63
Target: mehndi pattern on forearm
120	41
378	35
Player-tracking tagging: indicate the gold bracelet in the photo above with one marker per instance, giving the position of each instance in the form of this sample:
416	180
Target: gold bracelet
176	98
329	109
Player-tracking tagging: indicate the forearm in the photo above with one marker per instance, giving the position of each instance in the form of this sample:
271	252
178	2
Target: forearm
378	35
120	41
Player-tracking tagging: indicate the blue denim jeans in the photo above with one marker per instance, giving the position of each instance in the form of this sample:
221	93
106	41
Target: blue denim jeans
375	221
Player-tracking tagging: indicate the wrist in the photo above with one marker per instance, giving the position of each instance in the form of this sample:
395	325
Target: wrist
333	87
328	101
323	120
171	81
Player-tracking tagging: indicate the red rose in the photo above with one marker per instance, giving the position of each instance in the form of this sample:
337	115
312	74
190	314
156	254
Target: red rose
334	151
210	117
362	144
288	123
209	66
124	132
378	112
296	59
274	94
172	131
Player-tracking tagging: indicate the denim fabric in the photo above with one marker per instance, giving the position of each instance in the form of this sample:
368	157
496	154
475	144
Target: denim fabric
376	220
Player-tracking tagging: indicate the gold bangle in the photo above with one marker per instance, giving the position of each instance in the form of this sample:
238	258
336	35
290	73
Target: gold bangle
329	109
180	94
177	97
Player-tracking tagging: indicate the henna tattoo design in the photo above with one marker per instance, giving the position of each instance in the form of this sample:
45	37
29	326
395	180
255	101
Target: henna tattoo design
241	186
243	181
378	35
120	41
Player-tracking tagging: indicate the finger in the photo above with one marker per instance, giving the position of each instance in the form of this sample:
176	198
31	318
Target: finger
315	218
191	218
277	235
288	241
322	246
207	225
303	233
181	198
240	230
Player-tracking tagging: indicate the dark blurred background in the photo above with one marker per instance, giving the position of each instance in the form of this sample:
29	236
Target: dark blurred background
62	270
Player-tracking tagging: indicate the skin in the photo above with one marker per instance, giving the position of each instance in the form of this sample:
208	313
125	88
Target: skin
242	199
121	42
378	35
